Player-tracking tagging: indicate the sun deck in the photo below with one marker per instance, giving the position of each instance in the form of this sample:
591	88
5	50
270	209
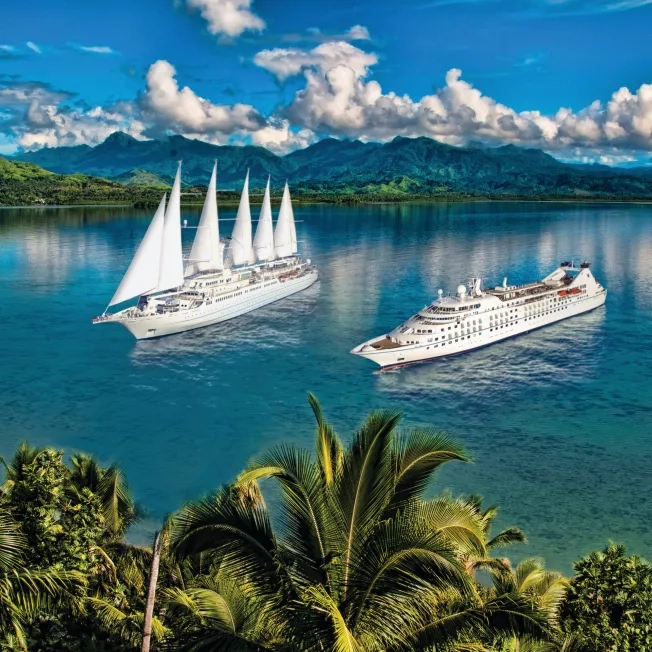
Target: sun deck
385	344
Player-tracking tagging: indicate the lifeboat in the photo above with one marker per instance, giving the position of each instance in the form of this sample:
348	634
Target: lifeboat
574	291
562	293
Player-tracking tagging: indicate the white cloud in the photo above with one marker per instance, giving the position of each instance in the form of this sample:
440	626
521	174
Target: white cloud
358	33
32	46
338	100
7	48
167	107
97	49
278	137
288	62
228	17
39	117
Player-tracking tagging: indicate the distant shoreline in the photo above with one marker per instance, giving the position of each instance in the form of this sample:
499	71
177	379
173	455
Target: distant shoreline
297	200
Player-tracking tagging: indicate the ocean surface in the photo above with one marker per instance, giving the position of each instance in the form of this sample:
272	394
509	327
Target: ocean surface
558	422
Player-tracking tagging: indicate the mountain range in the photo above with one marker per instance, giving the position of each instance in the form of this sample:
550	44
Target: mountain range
419	166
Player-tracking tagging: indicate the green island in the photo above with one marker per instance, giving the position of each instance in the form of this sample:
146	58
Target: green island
123	170
359	550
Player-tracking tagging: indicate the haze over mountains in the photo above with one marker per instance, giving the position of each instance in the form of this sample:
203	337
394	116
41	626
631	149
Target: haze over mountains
404	165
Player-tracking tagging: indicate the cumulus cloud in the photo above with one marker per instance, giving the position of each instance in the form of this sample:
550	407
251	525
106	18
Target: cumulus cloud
32	46
278	137
339	100
97	49
228	17
181	110
288	62
39	116
168	108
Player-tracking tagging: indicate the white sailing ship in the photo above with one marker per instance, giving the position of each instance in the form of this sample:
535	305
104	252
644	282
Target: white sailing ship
475	318
220	280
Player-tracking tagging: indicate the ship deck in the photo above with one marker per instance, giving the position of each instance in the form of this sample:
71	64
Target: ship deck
528	290
385	344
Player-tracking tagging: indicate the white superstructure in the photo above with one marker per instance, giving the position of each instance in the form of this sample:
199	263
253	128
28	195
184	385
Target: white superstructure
475	317
220	280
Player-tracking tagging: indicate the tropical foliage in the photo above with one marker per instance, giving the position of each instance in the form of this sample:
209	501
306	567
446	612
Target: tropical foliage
609	602
345	548
356	557
70	581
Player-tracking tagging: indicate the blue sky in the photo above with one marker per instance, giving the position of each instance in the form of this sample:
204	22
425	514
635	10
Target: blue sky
285	73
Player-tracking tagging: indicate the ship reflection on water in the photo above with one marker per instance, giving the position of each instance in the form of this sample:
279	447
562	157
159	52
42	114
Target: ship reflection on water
565	352
265	328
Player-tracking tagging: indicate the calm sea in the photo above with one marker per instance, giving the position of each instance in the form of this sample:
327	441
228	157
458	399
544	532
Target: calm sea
558	422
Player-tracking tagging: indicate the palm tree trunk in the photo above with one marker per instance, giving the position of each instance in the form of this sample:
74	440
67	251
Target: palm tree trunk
151	594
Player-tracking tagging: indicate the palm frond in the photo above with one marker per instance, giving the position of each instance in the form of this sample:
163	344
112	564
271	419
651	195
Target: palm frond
503	616
458	521
127	626
341	640
330	452
507	537
117	501
366	484
305	527
403	561
241	534
12	542
418	454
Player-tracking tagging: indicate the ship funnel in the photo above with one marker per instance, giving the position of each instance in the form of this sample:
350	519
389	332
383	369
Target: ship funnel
505	283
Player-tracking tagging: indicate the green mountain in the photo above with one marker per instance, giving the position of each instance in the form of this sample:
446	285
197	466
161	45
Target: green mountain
420	166
144	178
26	183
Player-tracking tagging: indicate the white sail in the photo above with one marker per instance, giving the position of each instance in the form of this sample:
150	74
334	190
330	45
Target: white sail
170	273
264	240
293	228
206	253
142	275
240	250
283	232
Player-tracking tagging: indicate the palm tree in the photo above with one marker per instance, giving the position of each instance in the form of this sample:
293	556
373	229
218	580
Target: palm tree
24	456
507	537
356	557
545	590
23	593
118	506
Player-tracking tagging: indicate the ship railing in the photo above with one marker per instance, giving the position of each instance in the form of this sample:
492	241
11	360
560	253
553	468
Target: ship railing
101	318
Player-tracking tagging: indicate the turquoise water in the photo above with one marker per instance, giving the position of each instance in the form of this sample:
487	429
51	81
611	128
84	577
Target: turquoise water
558	421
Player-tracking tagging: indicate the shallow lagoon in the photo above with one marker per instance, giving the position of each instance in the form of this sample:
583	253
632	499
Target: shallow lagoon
558	422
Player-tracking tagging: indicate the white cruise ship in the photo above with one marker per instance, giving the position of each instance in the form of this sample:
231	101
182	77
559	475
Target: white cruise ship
476	317
220	279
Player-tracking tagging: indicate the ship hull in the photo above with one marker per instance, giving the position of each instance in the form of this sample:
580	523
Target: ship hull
404	355
251	298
